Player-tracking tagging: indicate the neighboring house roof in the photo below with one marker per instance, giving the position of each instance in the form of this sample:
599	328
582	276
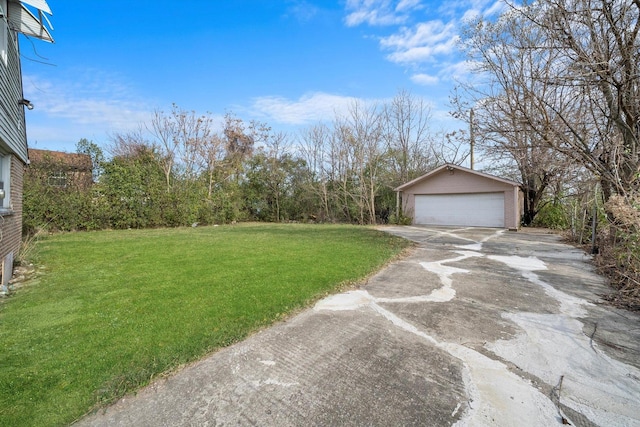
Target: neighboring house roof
70	161
449	166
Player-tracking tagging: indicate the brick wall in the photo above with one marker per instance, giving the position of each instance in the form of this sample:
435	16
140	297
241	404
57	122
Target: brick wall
11	224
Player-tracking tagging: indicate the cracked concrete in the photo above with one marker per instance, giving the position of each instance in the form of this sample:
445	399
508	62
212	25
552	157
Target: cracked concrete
474	327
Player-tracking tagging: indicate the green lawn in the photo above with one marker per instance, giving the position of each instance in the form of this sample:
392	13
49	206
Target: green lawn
115	309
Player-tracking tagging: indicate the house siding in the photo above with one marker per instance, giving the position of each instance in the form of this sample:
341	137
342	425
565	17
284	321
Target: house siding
13	136
13	148
462	182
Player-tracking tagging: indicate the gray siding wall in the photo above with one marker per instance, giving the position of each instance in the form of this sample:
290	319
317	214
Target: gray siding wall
13	138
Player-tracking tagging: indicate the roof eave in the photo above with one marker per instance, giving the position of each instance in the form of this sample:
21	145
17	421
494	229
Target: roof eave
461	168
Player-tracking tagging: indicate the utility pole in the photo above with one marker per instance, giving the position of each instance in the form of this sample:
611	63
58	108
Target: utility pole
471	136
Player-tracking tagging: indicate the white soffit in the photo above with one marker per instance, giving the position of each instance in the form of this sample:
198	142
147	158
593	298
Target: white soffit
25	22
38	4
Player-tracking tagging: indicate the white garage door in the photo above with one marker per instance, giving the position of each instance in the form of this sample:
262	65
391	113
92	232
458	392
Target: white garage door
479	210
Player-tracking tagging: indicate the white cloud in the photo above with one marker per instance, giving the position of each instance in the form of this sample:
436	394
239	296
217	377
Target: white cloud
408	5
471	15
425	79
302	11
432	42
425	33
418	54
495	9
454	9
483	9
421	43
309	108
93	105
91	98
379	12
459	70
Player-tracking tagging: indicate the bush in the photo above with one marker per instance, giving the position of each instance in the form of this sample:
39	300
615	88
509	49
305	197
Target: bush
619	254
552	215
58	209
400	219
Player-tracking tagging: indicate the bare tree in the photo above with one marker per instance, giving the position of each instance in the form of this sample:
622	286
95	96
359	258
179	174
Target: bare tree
407	136
212	152
129	144
192	133
239	144
276	148
162	128
454	147
315	149
183	138
602	42
591	110
360	138
533	109
366	151
239	141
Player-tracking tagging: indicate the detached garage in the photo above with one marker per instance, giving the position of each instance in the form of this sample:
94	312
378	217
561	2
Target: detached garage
454	195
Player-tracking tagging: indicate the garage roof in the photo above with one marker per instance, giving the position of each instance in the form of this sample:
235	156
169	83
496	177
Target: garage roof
450	167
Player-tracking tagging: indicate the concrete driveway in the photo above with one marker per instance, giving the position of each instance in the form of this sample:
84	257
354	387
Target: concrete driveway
475	327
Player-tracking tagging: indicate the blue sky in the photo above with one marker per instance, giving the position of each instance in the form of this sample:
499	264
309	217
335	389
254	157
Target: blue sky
289	63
